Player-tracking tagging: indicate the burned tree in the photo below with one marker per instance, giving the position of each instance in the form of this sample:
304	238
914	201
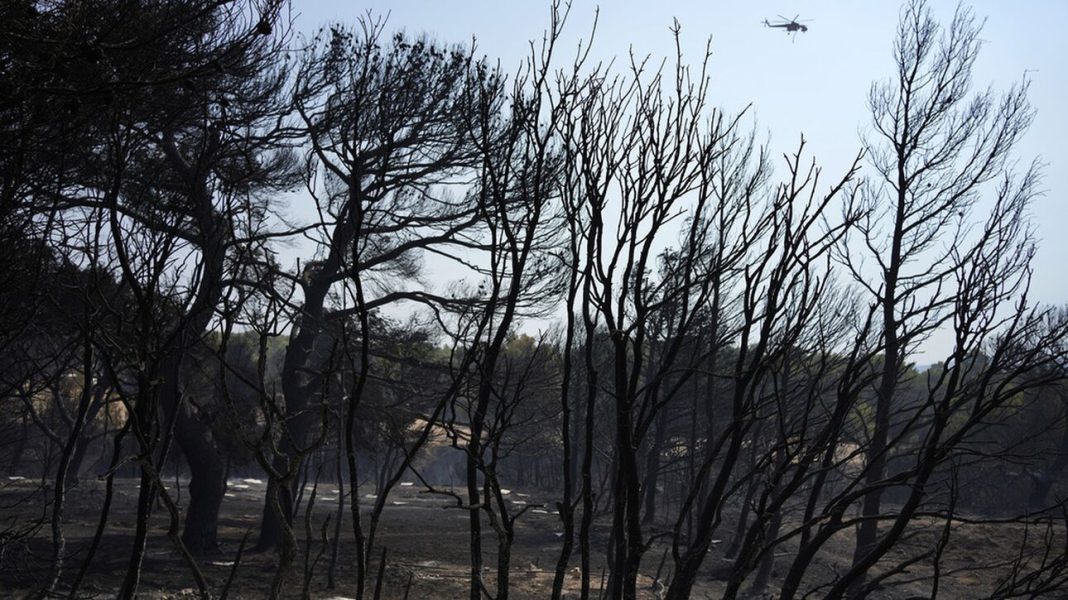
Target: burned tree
936	149
169	171
385	119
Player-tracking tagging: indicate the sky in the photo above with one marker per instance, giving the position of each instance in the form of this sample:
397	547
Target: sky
812	83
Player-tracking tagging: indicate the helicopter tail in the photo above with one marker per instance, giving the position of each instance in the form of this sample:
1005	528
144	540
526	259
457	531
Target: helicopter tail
766	24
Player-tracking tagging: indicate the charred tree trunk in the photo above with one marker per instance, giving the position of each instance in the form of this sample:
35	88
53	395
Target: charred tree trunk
271	522
475	532
207	485
566	507
628	546
81	446
743	521
474	498
868	529
148	431
59	497
690	562
504	565
767	562
587	473
298	387
652	468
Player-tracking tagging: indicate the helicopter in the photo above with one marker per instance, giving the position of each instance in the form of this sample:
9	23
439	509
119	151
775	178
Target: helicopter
788	25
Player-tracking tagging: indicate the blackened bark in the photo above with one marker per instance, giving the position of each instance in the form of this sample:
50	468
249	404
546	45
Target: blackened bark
687	568
767	562
586	523
59	497
566	506
271	526
628	547
81	447
363	553
475	530
652	468
504	562
105	510
867	531
743	520
298	388
145	499
207	487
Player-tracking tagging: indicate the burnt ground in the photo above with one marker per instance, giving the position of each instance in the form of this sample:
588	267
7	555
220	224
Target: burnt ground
426	537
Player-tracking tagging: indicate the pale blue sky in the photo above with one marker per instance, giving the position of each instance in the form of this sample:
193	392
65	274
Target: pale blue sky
815	84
